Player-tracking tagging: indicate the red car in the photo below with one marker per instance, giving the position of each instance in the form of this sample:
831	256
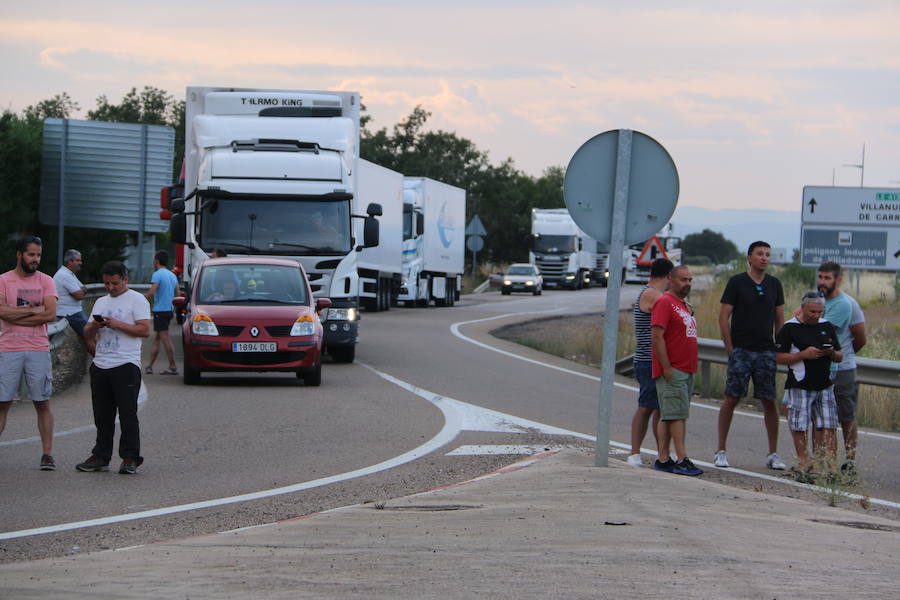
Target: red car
252	314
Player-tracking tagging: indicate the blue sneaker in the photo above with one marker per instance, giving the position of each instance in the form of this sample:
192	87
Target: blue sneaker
668	466
686	467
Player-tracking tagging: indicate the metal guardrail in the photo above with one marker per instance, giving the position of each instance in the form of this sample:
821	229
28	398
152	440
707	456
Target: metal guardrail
870	371
56	330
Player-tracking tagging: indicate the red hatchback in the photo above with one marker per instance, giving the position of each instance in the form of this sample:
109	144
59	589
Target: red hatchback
252	314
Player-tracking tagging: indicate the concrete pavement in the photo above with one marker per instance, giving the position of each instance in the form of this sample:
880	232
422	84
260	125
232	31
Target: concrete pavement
553	526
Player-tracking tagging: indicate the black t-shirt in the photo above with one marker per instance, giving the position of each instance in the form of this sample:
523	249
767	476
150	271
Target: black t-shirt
753	314
816	374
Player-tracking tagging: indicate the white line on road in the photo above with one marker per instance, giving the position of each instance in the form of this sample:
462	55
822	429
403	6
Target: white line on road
454	329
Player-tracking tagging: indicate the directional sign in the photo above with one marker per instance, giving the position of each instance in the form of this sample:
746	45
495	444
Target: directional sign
864	247
875	207
475	227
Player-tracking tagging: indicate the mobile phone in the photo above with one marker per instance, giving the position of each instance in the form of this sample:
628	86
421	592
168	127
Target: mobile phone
826	346
98	318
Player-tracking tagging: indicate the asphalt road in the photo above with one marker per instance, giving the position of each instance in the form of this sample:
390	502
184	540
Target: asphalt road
238	435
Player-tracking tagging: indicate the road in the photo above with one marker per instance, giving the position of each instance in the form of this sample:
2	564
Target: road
289	449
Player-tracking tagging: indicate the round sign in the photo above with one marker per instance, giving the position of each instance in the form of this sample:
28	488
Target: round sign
590	183
475	243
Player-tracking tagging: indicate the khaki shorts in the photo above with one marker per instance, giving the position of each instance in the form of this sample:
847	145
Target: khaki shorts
675	396
35	366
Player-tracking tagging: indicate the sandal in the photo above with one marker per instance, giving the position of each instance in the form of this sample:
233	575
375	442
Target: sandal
148	371
169	371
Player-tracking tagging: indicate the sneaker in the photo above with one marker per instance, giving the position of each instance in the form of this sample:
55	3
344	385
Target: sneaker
773	461
668	466
130	465
803	476
686	467
93	463
47	463
849	467
635	460
721	459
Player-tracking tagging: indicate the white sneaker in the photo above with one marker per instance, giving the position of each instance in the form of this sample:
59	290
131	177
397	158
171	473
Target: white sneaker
773	461
721	459
635	460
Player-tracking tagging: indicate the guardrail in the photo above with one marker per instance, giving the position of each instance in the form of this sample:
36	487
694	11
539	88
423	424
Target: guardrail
870	371
57	329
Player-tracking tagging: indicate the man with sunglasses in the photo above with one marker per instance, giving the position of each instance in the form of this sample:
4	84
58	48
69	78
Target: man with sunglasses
752	310
27	303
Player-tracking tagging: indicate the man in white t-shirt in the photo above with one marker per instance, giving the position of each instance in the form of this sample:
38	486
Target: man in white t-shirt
118	322
71	292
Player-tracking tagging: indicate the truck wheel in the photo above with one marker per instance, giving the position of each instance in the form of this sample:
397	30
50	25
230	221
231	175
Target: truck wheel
342	354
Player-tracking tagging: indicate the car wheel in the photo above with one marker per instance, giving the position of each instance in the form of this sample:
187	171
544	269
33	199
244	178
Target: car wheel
191	375
313	377
342	354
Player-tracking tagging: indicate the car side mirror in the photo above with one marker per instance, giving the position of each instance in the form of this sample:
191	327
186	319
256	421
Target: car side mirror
322	303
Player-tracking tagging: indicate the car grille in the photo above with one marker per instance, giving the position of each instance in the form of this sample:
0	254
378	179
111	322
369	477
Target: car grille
230	330
279	330
254	358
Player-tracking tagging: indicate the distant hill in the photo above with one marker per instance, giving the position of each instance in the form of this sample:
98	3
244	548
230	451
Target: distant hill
780	228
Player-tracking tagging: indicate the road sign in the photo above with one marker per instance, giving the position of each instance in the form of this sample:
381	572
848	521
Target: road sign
864	247
875	207
589	187
475	227
474	243
653	249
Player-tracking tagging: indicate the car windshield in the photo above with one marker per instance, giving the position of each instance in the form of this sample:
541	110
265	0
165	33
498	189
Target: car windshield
553	244
240	283
281	227
524	270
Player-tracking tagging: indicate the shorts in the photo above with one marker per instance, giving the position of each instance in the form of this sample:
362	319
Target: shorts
810	406
846	391
161	320
675	396
38	372
77	321
744	364
643	372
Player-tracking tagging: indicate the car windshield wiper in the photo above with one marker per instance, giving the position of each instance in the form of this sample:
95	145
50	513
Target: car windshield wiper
274	300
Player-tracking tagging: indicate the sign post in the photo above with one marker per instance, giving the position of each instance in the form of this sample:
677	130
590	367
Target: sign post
475	230
620	187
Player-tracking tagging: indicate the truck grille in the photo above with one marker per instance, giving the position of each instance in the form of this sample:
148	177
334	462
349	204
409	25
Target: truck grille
552	270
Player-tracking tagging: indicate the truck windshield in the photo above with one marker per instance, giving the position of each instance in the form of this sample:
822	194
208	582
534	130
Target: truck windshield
409	221
280	227
554	244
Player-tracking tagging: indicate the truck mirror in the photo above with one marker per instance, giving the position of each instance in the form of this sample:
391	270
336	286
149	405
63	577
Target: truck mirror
420	223
370	232
178	228
374	210
176	205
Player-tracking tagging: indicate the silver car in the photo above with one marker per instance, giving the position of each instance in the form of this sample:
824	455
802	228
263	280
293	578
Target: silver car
522	277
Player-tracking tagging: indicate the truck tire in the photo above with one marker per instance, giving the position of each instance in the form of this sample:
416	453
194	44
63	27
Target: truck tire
343	353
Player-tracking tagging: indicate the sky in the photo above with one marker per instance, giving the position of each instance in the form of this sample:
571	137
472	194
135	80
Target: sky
752	100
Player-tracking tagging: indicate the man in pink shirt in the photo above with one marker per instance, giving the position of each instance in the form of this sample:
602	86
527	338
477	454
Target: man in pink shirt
27	303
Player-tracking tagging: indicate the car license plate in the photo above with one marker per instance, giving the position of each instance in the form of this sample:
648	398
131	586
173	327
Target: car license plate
254	347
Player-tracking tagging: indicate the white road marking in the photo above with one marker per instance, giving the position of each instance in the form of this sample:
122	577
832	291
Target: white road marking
454	329
496	449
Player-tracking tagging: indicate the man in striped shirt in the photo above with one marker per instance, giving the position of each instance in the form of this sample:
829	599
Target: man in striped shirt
648	405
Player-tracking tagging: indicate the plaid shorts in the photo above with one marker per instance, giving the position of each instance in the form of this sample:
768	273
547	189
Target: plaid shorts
816	406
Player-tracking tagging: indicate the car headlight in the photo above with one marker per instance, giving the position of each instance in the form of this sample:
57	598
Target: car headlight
304	325
529	283
341	314
203	325
507	282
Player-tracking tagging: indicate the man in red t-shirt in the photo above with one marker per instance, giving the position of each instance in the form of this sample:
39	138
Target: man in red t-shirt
27	303
674	333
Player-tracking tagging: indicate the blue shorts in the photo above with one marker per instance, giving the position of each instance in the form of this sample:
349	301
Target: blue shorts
643	372
746	364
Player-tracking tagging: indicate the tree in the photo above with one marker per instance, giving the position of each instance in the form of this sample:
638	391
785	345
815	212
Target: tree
711	244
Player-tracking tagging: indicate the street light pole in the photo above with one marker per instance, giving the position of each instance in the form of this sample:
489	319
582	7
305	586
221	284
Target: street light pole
861	166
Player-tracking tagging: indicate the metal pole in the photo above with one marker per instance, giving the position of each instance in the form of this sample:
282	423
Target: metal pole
61	209
613	291
142	217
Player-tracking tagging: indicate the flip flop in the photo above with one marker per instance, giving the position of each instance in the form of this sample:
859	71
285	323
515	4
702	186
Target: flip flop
169	371
149	370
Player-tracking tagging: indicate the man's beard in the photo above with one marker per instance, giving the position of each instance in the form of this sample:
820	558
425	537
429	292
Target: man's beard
826	290
27	267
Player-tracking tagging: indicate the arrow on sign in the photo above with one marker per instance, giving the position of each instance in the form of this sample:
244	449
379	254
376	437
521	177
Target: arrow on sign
812	205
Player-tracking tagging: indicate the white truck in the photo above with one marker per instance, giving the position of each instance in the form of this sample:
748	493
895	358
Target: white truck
381	267
434	222
274	173
565	255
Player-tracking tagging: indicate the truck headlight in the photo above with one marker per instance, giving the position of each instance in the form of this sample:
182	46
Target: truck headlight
203	325
570	277
341	314
304	325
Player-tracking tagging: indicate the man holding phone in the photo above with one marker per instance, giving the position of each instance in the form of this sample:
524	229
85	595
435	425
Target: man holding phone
118	322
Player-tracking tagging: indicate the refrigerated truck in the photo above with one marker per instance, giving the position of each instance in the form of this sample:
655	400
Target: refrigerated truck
434	221
274	173
380	267
565	255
